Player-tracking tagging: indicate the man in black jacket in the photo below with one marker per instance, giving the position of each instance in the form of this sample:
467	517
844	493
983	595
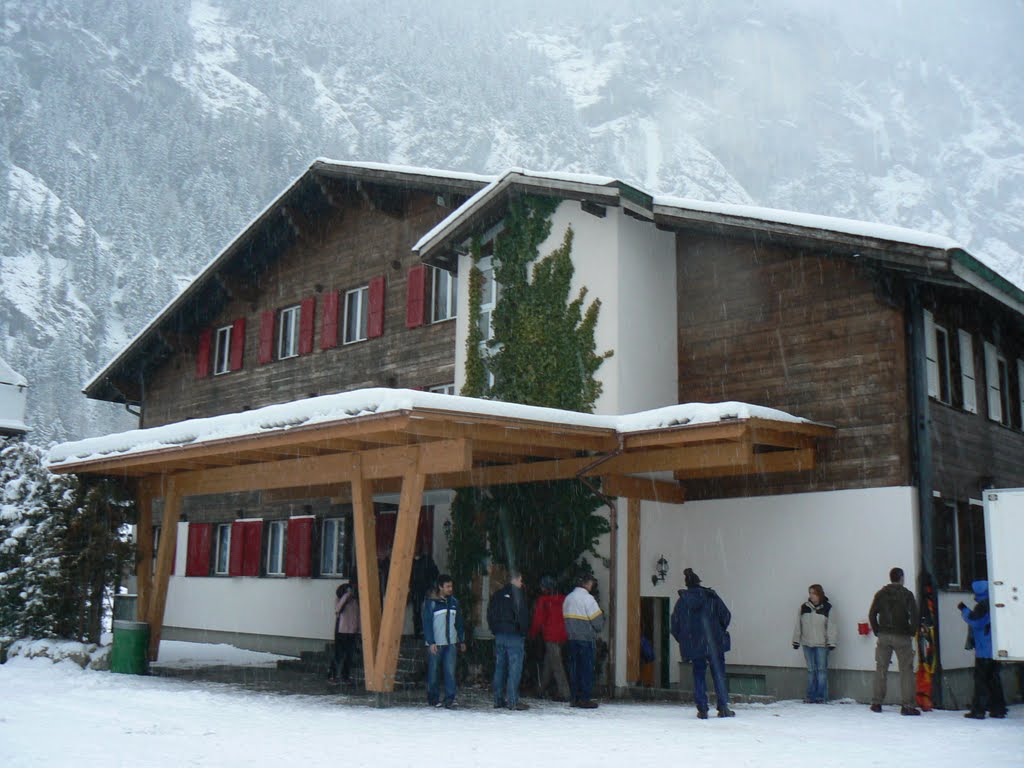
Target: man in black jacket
893	617
509	620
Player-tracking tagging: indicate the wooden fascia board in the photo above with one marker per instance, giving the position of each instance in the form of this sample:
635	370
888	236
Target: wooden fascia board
442	456
686	434
775	462
394	177
510	431
643	488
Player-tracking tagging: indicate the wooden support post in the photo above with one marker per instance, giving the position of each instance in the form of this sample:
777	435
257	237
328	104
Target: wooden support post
633	591
164	557
365	530
397	594
144	549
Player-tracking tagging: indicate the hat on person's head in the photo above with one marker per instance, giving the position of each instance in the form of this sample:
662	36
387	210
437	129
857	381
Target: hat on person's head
690	578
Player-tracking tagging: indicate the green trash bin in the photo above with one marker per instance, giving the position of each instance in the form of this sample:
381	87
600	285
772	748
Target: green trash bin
130	652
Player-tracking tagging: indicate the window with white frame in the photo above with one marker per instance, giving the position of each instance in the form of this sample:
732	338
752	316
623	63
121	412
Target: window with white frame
444	389
960	556
275	547
332	548
997	385
968	385
357	314
222	550
443	294
288	332
222	351
936	347
488	297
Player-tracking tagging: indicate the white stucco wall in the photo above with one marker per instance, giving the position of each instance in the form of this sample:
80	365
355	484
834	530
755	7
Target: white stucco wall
760	554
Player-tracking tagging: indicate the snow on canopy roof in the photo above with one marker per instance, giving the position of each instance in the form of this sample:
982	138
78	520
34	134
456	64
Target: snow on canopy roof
813	221
471	203
364	402
10	376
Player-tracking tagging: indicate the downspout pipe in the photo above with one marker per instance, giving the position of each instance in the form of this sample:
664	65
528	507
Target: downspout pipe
923	463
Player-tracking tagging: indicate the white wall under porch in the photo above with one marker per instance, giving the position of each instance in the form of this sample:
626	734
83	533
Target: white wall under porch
761	553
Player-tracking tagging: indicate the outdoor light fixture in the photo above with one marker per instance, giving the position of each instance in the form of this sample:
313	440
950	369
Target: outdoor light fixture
661	568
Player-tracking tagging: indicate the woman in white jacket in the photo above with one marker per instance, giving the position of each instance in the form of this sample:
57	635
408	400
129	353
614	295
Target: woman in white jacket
816	632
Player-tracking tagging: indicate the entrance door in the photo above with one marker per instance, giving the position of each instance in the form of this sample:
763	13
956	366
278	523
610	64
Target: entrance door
654	628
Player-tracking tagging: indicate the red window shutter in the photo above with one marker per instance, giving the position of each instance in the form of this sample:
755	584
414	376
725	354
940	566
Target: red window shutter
306	314
237	548
416	299
200	535
252	535
265	353
299	555
375	321
203	355
237	343
329	322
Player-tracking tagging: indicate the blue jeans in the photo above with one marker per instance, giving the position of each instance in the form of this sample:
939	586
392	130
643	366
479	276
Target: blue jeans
444	658
700	681
508	668
581	669
817	673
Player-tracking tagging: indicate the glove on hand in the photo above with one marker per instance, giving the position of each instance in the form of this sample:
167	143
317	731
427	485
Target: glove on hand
796	646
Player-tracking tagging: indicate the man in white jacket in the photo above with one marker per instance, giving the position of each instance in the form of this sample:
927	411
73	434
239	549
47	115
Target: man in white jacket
583	623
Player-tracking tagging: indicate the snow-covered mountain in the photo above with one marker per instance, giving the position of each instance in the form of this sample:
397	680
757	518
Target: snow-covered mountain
138	136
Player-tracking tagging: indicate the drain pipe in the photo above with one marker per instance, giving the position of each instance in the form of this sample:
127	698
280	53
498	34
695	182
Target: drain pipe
613	524
921	446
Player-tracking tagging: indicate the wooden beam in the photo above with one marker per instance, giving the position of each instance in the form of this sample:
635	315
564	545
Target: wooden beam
511	431
143	549
164	557
397	594
364	526
686	435
761	463
633	591
439	456
645	488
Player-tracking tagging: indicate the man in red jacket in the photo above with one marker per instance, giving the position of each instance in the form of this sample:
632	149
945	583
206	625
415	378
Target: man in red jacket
550	626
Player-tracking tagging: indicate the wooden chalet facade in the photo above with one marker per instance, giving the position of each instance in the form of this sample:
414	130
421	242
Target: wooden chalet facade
349	280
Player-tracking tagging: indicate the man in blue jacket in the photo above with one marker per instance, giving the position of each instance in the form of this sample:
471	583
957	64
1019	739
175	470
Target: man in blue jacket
509	619
443	631
988	688
700	623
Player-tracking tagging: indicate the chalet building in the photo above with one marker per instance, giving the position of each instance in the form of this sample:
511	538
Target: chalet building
892	361
13	399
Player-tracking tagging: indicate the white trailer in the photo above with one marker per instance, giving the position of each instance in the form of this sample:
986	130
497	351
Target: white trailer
1004	536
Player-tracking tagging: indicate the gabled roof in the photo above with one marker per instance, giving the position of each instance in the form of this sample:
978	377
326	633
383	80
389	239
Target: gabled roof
261	240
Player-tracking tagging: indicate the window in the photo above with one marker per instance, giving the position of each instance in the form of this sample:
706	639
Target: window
275	548
222	556
936	346
332	551
222	351
443	293
997	385
488	297
960	557
968	386
443	389
288	332
357	313
156	545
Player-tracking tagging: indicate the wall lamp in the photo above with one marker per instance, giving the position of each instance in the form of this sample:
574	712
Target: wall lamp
661	570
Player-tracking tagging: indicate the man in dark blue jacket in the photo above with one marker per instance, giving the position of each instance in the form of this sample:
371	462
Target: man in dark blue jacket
988	688
509	619
443	632
700	623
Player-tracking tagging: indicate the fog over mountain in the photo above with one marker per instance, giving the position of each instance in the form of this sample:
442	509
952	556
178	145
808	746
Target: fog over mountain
137	137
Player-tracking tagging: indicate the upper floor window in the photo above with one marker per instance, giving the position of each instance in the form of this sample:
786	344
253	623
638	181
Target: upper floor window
444	389
222	350
488	297
222	550
937	354
332	550
275	547
443	294
357	314
288	332
997	385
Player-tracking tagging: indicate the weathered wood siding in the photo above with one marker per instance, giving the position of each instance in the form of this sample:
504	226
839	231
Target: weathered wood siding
342	251
806	333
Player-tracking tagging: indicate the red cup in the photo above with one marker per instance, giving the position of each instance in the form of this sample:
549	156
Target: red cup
863	628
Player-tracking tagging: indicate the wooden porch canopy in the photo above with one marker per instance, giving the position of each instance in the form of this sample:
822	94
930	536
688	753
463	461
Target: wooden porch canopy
408	450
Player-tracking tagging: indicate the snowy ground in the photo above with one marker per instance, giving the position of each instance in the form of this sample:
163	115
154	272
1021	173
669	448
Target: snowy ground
60	715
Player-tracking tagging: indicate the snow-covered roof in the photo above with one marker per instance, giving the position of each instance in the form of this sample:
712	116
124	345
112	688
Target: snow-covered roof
330	409
10	376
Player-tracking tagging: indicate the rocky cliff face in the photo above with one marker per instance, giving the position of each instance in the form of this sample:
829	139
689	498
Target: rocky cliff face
137	137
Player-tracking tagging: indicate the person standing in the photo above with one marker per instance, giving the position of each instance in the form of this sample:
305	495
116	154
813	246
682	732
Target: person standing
443	634
549	624
346	629
817	632
893	619
507	618
583	624
988	688
700	624
422	579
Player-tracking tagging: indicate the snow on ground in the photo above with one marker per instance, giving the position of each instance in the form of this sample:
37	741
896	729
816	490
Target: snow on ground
61	715
176	654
